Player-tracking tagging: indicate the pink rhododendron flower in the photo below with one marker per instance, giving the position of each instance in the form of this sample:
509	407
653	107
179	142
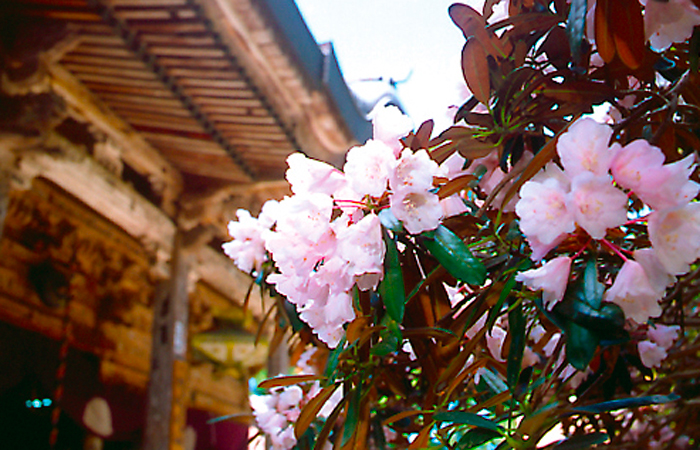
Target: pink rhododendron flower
309	175
584	148
659	278
453	166
669	21
633	293
361	245
675	237
596	204
276	413
663	335
389	125
651	354
543	212
540	250
494	342
551	278
308	212
419	211
639	167
414	171
530	358
552	170
247	249
453	205
368	168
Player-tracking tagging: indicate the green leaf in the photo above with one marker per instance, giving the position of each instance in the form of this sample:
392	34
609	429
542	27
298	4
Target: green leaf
592	292
576	26
353	415
391	288
333	357
609	321
516	329
584	441
581	344
466	418
390	338
632	402
496	310
476	437
493	380
455	257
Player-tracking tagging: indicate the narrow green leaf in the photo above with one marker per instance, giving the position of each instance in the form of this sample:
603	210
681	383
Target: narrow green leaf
493	381
466	418
353	415
584	441
455	257
632	402
496	310
576	26
476	437
391	288
333	357
516	329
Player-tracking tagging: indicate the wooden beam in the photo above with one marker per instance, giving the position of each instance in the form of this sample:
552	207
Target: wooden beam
137	153
102	191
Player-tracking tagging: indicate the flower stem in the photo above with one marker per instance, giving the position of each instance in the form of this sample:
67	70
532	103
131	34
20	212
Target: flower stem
617	250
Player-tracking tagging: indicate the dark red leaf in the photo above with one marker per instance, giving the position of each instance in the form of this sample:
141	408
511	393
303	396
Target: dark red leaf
475	68
628	31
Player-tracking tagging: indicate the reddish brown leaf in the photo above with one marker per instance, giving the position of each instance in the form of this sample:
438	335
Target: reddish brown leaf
603	34
466	18
423	135
479	119
474	148
475	68
357	327
556	46
627	26
455	185
579	92
322	437
287	381
310	411
444	151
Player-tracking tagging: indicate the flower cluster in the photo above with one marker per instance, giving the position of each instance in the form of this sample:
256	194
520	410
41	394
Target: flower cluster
326	238
276	413
591	194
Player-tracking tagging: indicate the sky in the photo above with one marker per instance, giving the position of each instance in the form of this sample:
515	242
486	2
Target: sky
396	39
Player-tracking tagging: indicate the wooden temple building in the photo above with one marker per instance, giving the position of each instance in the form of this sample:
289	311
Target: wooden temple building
130	132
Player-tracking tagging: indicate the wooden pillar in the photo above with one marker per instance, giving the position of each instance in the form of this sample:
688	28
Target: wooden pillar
167	406
6	161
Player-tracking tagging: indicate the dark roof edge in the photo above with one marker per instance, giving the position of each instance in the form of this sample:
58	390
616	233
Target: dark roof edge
320	70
